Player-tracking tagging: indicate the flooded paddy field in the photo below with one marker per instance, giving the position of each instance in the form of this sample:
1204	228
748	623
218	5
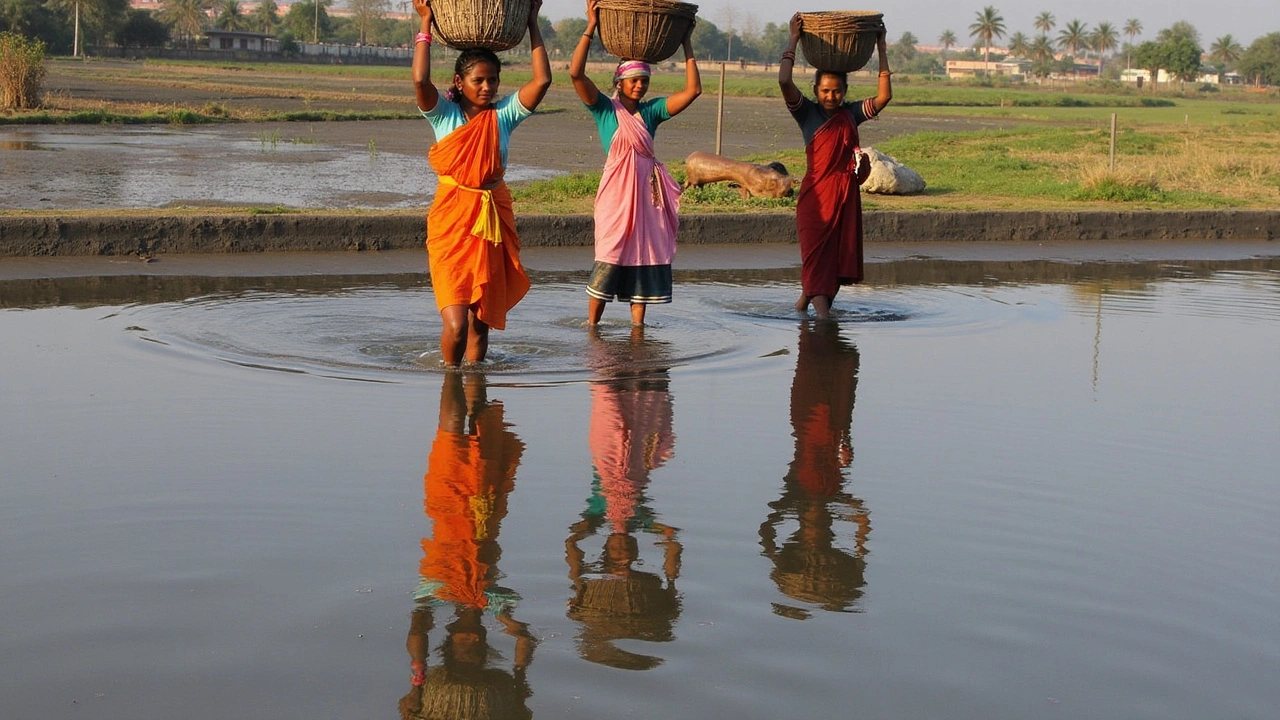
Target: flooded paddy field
1006	481
299	166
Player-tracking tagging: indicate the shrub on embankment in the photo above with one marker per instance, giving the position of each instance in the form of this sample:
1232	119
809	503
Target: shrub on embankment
21	71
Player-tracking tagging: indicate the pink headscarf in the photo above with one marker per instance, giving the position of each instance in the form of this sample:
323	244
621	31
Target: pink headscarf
630	69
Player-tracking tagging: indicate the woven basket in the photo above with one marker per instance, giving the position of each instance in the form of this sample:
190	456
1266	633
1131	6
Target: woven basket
648	30
465	24
840	40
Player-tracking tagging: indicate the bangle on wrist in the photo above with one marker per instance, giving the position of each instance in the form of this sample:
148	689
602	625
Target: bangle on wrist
422	37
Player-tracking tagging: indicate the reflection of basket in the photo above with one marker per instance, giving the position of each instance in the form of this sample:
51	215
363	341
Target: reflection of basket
648	30
477	23
840	40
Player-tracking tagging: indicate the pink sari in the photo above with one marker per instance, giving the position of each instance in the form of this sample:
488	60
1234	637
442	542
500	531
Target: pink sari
637	202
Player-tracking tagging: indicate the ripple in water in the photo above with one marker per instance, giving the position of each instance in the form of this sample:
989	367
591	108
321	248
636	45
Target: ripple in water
366	333
388	334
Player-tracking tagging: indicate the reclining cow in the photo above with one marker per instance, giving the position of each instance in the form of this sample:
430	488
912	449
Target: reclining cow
771	181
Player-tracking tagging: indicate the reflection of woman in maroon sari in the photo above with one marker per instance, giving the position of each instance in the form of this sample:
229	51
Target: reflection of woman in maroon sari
809	565
829	207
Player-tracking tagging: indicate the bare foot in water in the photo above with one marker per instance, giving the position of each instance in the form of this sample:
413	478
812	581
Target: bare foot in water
802	305
822	306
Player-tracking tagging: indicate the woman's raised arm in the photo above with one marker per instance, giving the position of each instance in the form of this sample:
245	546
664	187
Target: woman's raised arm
536	89
884	90
587	90
790	93
677	102
422	87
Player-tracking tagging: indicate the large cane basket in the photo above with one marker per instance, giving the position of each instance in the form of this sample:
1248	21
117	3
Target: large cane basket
648	30
497	25
840	40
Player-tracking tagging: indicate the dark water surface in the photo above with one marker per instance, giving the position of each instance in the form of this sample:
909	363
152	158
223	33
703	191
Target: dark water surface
988	490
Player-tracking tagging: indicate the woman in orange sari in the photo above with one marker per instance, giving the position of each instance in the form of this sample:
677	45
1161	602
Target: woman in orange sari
472	246
829	207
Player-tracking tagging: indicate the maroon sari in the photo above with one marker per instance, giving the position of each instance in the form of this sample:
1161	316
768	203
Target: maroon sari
829	209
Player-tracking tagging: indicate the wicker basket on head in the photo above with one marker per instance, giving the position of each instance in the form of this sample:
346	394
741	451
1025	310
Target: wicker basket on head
840	40
465	24
648	30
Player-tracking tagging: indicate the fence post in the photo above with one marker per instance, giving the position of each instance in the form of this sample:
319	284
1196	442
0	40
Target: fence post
720	112
1112	166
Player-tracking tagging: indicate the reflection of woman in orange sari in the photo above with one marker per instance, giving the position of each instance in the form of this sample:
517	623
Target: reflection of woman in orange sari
829	207
808	565
470	472
613	599
471	235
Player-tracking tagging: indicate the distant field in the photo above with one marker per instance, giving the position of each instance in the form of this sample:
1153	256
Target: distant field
1191	150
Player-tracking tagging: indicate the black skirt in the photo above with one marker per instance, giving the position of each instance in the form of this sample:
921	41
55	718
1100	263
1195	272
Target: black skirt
642	284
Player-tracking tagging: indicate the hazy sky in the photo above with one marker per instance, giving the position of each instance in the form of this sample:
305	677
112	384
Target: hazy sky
1245	20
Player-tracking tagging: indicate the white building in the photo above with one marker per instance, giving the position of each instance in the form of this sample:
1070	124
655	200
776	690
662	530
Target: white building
1012	68
232	40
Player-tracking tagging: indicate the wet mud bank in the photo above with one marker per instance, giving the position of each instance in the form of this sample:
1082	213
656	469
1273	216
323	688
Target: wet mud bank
122	234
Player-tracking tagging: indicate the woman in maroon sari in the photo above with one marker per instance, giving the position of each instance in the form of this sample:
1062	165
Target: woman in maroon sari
829	208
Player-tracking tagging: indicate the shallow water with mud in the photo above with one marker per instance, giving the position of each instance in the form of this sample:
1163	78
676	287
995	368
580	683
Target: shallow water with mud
989	488
162	167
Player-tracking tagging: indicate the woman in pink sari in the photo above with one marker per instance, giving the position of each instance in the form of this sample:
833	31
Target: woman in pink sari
829	207
637	202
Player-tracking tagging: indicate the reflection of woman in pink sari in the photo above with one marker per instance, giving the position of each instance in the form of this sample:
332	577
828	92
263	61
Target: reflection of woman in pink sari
637	202
614	598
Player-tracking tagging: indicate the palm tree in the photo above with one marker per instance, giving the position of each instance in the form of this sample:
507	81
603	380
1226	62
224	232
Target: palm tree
1105	39
906	46
1041	50
186	16
1225	51
266	16
229	16
1132	29
1045	22
1019	45
987	26
947	40
1073	37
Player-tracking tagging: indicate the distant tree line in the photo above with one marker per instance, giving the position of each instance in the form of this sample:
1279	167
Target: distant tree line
66	26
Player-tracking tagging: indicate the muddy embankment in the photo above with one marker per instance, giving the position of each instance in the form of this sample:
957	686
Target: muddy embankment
30	236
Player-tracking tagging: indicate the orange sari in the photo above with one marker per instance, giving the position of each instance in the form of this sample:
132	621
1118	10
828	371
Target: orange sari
472	246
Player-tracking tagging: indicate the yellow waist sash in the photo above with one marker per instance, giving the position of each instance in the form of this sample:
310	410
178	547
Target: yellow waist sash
487	226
